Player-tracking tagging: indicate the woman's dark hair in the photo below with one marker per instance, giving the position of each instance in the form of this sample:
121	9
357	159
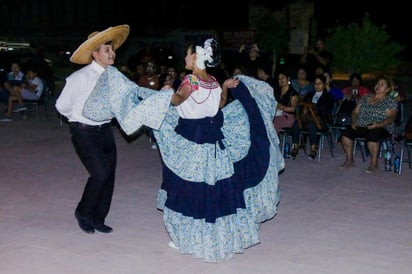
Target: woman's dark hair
355	76
320	77
266	67
216	56
284	73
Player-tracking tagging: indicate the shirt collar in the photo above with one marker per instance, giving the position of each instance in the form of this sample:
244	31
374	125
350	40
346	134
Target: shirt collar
97	67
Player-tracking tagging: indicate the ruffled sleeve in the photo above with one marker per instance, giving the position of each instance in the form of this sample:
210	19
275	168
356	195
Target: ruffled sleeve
115	96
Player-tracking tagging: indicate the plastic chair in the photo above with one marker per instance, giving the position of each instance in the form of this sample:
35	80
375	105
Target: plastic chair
408	145
359	143
322	134
284	132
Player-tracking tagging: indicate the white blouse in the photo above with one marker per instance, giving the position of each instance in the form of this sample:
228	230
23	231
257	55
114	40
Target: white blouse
204	100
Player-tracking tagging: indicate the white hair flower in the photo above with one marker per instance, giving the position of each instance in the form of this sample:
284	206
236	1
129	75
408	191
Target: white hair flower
204	54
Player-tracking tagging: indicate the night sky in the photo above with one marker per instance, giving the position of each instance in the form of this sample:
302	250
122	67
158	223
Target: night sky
394	14
156	17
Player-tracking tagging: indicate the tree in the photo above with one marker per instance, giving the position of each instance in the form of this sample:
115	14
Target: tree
365	48
272	33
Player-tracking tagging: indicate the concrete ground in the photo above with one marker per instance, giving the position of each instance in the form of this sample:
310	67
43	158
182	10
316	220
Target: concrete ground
330	220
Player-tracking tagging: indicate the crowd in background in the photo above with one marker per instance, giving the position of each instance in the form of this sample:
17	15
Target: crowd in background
302	90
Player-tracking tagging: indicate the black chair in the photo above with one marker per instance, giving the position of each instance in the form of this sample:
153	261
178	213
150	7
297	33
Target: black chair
322	135
384	144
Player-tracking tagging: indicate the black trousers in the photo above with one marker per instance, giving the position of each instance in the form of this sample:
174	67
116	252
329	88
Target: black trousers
96	148
310	126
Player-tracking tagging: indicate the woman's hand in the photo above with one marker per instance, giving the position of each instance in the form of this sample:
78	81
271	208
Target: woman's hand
281	106
231	83
371	126
166	87
354	126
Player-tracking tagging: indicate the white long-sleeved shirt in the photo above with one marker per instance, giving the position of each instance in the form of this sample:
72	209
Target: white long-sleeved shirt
77	89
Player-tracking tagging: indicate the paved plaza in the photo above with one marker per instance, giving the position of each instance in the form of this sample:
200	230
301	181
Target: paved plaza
329	220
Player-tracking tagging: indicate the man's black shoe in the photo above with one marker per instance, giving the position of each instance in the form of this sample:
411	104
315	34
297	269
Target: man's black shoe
84	224
103	228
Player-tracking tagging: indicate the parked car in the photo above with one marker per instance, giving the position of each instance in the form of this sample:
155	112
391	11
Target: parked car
26	56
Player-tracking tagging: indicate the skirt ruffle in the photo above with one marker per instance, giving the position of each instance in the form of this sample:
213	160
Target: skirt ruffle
191	169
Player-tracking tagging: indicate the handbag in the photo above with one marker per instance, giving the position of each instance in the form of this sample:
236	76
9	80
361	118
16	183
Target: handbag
307	113
344	113
344	119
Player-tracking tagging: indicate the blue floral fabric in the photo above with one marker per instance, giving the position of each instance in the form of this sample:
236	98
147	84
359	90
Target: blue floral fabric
115	96
213	196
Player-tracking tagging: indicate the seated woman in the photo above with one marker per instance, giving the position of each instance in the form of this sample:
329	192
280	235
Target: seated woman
355	90
373	119
301	84
314	114
288	100
336	92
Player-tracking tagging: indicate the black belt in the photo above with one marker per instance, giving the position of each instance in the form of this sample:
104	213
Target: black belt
81	125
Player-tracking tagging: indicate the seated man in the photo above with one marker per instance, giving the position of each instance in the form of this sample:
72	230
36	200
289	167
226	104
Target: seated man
31	90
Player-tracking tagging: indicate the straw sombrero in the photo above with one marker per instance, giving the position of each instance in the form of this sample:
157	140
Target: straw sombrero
117	35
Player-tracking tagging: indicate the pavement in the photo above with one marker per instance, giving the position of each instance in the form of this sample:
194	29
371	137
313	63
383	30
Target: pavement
330	220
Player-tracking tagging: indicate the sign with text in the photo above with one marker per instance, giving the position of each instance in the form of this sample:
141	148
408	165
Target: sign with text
234	39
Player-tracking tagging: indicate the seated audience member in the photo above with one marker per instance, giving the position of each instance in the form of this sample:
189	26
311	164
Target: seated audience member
314	113
138	73
373	119
13	78
288	100
238	70
355	90
126	71
150	79
301	84
337	93
264	73
173	78
32	90
162	73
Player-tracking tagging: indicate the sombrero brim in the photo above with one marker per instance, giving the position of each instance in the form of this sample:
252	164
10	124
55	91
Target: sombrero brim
117	35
